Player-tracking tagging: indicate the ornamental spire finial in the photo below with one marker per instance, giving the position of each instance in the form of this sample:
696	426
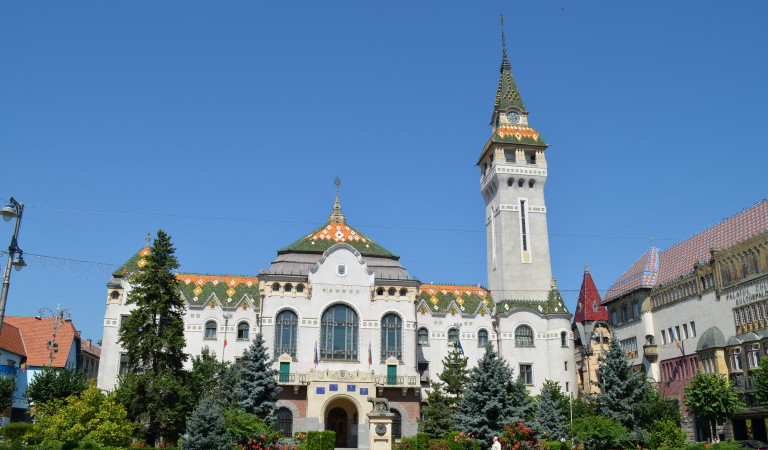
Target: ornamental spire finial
503	38
336	214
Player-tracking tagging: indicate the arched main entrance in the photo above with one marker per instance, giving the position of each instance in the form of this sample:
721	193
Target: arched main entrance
341	416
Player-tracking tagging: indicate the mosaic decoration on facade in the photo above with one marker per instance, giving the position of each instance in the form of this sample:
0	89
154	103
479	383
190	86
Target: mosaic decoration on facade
517	134
553	305
507	94
333	232
643	273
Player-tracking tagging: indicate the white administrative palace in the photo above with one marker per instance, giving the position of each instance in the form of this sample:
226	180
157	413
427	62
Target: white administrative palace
376	330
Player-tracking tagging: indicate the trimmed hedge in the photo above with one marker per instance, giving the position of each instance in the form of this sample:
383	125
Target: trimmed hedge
321	440
16	430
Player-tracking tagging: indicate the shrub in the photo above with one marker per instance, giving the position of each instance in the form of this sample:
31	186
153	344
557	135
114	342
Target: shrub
248	428
459	440
422	441
328	440
600	433
435	444
15	431
665	433
518	436
406	444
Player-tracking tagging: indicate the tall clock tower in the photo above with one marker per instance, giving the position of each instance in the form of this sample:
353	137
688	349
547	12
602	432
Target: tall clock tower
513	174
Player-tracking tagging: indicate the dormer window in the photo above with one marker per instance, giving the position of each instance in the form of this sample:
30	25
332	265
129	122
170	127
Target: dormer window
341	270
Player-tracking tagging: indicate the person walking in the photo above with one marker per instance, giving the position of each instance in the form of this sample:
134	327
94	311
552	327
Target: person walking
496	444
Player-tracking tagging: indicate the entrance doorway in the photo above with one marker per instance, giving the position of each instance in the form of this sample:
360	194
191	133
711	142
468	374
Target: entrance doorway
338	421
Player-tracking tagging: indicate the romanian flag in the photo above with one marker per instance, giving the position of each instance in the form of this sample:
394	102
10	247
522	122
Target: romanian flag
24	367
370	355
225	342
315	361
458	344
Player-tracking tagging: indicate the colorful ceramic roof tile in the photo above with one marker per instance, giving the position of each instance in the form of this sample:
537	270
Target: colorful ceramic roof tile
679	259
517	134
553	305
229	290
36	333
135	263
470	299
643	273
588	306
335	232
507	94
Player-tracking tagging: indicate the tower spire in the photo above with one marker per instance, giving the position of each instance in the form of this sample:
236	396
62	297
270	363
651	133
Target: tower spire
503	39
336	214
507	95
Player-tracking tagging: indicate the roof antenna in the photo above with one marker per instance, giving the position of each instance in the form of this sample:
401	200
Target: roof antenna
148	238
503	37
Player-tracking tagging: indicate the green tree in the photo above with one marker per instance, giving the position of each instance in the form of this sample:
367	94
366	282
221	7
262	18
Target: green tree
210	377
760	381
437	419
258	387
53	383
206	429
712	397
244	427
493	398
7	389
656	407
549	412
455	374
156	392
621	387
665	434
90	416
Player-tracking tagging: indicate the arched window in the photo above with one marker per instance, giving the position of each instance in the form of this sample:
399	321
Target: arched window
423	336
403	291
338	333
510	182
391	291
563	339
285	333
299	288
288	287
523	336
397	424
380	291
531	183
520	182
243	330
275	287
453	336
210	330
284	421
482	338
115	295
391	337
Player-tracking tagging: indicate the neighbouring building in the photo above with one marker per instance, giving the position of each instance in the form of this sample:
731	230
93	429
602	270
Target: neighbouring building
88	360
701	304
13	360
346	321
591	334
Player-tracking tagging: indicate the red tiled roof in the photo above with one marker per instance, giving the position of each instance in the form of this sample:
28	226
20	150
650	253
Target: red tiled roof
679	259
643	273
588	306
37	332
10	339
91	348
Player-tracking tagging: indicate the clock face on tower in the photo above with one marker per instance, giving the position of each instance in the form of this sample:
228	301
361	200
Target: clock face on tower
513	117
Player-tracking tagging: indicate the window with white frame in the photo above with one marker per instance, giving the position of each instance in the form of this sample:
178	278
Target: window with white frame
753	356
526	373
734	358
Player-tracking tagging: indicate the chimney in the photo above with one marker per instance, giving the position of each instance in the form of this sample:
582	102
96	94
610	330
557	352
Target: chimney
89	343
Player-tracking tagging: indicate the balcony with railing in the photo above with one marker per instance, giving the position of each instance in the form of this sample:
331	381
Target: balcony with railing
291	378
397	381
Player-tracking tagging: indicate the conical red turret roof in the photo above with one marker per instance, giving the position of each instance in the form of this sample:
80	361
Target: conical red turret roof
588	307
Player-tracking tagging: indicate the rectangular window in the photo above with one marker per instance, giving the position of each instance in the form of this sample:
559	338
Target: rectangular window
614	317
629	346
567	387
623	313
565	365
122	319
678	336
685	331
672	336
735	359
635	310
509	155
753	356
526	373
693	329
523	225
663	337
125	364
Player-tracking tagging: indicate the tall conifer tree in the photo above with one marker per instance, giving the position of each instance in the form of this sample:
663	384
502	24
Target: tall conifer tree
258	387
437	419
621	387
455	375
155	392
549	412
206	428
492	399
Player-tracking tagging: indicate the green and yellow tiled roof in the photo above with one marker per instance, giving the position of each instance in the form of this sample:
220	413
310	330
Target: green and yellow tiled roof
197	289
553	305
517	134
335	232
507	94
454	299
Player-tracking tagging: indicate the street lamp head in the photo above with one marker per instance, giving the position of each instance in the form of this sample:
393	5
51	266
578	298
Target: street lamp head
9	212
18	262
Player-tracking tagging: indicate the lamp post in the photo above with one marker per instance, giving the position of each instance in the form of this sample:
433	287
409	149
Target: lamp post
12	210
58	319
227	316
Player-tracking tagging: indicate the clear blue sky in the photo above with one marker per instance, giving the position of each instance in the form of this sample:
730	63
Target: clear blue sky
225	123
